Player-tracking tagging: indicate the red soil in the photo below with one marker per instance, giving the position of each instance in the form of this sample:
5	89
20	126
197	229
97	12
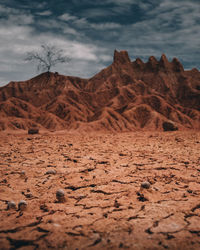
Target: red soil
101	175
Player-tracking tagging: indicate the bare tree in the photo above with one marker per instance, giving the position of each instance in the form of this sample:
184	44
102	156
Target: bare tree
47	58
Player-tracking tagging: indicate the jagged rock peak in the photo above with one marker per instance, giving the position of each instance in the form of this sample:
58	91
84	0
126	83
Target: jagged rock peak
138	64
164	59
139	61
152	59
152	63
121	57
177	66
164	63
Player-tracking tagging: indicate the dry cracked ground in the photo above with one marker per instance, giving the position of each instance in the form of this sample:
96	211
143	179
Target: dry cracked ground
101	174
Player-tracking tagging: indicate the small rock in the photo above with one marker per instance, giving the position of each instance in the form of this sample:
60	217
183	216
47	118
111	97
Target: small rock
60	195
169	126
44	208
11	205
50	166
145	184
29	195
141	197
51	171
22	205
33	131
117	204
4	180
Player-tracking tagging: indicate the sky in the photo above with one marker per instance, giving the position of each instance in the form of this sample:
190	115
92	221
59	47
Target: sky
89	31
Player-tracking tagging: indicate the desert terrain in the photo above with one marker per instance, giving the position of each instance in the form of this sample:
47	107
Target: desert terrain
101	175
125	96
115	164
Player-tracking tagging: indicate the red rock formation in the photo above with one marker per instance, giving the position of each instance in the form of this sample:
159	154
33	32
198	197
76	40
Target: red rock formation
125	96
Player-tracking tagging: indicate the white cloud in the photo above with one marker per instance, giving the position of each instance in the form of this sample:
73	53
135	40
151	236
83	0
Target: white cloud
67	17
44	13
122	2
41	5
97	12
49	24
14	16
67	30
84	23
105	26
81	22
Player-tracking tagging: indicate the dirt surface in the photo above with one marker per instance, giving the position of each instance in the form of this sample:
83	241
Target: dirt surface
101	175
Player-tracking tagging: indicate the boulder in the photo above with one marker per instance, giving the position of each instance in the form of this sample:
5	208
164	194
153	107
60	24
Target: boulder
169	126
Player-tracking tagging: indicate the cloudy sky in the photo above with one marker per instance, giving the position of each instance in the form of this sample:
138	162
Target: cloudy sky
88	31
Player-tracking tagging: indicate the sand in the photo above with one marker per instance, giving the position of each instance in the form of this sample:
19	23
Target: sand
101	175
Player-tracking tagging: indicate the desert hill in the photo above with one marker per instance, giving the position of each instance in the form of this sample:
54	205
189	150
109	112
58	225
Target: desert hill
125	96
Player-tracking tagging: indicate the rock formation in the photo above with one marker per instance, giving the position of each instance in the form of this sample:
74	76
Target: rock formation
125	96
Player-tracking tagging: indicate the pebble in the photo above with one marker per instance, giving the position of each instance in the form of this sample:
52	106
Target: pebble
22	205
145	184
11	205
60	195
51	171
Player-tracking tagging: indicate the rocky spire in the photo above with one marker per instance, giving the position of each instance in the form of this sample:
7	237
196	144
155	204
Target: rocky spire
152	64
164	63
177	66
138	64
121	57
139	61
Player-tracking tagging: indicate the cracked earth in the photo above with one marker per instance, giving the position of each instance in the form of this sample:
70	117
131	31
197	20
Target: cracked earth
101	175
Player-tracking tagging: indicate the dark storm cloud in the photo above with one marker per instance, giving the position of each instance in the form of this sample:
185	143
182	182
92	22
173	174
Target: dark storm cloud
89	31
